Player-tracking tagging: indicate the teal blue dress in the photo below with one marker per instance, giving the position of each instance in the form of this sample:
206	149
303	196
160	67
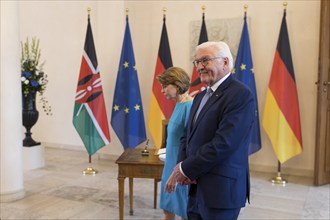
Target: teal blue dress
175	202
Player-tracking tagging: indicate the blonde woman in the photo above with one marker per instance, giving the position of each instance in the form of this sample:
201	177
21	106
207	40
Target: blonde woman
175	84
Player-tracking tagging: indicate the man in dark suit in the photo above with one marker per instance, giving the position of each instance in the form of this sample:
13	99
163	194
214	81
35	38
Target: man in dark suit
214	149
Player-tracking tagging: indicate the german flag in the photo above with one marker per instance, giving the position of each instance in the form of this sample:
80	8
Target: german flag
160	107
196	85
281	119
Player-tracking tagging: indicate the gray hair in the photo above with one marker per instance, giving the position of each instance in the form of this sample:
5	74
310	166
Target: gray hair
220	48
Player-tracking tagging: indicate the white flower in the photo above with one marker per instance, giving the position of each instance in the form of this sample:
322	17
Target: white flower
23	78
26	82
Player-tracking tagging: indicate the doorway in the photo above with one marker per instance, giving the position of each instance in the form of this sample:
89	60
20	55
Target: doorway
322	151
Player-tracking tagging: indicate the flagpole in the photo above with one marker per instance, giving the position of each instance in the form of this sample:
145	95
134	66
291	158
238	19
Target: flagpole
89	12
89	170
203	11
278	179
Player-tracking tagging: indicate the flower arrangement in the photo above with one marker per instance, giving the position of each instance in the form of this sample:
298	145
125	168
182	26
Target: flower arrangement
33	79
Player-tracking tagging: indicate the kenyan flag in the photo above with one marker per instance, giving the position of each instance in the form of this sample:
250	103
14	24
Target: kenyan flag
89	116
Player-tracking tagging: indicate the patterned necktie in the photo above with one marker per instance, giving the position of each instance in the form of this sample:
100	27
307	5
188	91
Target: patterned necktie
204	100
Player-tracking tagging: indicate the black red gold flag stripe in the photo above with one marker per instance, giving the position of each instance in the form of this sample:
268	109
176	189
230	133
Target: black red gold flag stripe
160	107
196	85
281	119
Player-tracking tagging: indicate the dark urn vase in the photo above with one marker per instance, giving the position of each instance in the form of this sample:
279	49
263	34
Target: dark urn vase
30	117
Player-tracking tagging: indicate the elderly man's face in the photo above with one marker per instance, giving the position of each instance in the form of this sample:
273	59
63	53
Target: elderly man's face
210	67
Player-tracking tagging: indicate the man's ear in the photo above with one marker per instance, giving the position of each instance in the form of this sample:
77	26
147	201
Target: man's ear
226	61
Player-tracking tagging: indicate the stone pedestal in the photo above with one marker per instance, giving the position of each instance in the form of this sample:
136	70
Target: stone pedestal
33	157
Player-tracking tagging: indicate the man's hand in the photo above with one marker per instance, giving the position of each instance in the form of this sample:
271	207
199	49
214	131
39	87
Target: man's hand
179	177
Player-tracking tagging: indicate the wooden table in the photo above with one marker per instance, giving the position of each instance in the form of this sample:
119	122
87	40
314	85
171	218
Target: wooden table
133	165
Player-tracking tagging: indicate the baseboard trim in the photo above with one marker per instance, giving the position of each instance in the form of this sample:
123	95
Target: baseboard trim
284	170
253	167
12	196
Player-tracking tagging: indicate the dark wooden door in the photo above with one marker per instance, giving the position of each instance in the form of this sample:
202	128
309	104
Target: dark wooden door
322	152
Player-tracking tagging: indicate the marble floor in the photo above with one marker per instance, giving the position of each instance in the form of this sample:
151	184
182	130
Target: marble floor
60	191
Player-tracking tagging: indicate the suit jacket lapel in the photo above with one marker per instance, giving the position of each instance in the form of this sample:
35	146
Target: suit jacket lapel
194	108
215	96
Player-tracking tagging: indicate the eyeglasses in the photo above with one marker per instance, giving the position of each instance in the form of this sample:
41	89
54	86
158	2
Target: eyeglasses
204	61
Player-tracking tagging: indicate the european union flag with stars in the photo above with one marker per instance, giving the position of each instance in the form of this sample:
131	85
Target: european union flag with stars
243	71
127	117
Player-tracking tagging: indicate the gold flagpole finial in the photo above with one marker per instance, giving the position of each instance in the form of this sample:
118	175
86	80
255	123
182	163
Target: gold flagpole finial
245	9
126	10
89	11
203	8
285	4
164	11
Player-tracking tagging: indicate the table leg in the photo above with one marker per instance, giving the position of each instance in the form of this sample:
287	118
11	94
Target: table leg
131	196
155	192
121	197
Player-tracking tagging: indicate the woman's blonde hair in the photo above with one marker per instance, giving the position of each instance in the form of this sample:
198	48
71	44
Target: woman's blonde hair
175	76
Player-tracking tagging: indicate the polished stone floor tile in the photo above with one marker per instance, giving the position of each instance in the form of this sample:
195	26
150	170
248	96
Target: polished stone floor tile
60	191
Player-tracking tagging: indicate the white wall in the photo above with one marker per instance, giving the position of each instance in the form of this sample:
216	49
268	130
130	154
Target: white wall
61	27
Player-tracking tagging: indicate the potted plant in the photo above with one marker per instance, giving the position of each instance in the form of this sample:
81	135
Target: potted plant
33	81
